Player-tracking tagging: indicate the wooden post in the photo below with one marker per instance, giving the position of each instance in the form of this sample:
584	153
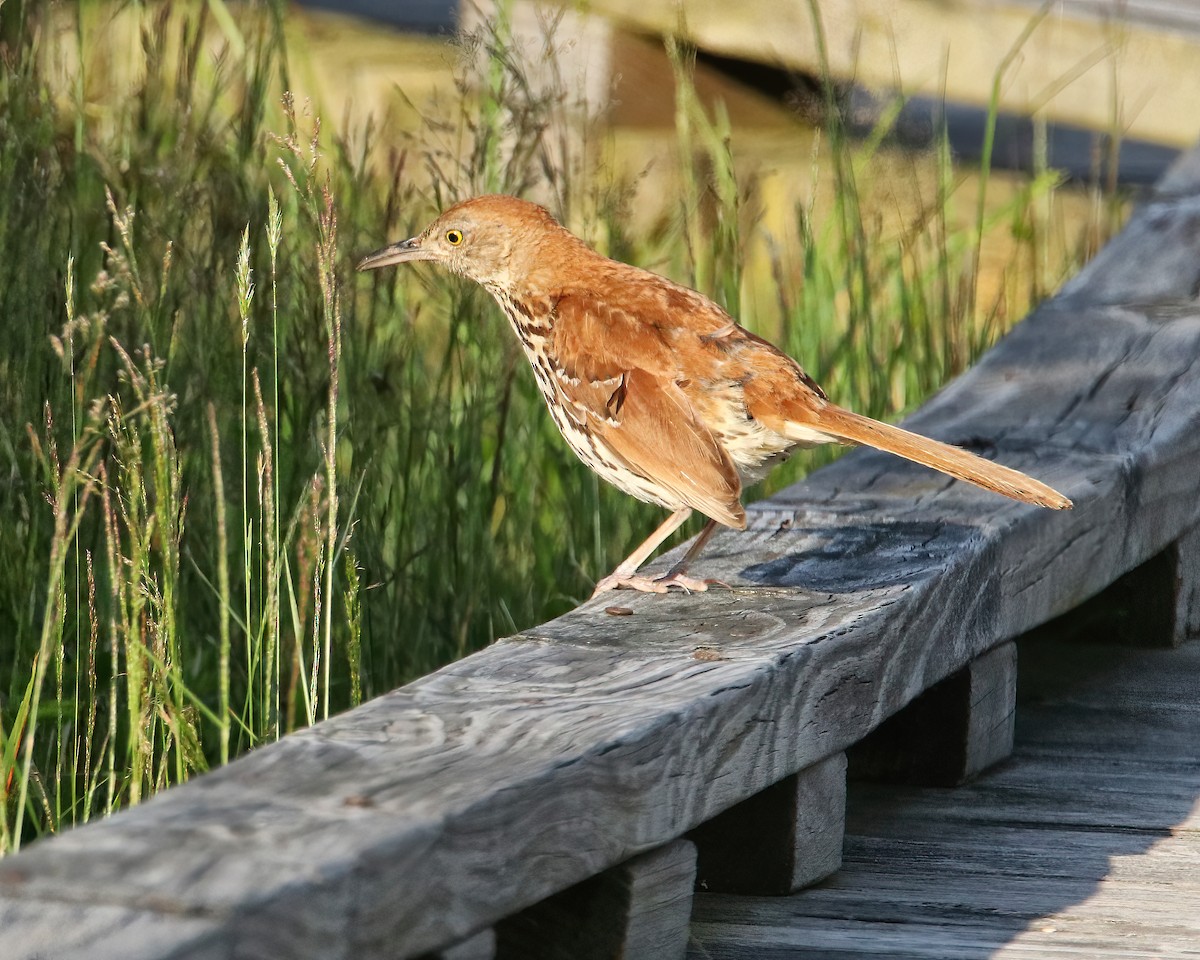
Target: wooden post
952	732
787	837
638	910
1156	604
1187	587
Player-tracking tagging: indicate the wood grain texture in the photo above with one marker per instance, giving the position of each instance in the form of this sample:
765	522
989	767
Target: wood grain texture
48	930
482	946
436	810
659	902
1075	848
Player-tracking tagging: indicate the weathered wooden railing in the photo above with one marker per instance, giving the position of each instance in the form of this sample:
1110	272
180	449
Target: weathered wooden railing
559	793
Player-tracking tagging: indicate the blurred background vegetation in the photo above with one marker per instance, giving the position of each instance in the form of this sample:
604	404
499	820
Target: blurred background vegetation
242	487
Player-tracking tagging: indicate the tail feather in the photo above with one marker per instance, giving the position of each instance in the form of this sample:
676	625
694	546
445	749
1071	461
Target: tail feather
850	427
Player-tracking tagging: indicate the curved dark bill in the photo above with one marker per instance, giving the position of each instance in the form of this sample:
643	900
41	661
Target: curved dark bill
402	252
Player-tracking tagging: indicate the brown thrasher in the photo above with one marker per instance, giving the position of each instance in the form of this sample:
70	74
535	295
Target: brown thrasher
653	385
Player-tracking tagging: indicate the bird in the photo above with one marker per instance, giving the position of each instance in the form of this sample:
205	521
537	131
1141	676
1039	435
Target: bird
653	385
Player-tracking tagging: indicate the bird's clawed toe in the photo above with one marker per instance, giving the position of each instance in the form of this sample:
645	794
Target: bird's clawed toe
684	582
615	581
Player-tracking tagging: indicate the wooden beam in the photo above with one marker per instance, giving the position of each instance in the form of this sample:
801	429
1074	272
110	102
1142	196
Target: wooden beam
1187	587
1104	73
781	839
638	910
482	946
1156	604
952	732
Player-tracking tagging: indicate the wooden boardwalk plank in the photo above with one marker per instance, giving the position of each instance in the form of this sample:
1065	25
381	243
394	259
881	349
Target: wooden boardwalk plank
954	49
1067	850
830	938
1004	850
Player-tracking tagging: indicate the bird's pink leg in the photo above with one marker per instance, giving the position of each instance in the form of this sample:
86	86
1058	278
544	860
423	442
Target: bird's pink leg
626	573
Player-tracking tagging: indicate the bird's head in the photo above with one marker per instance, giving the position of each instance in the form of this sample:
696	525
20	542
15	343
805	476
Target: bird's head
493	240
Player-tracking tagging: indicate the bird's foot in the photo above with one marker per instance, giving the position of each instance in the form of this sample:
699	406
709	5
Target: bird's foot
690	584
616	581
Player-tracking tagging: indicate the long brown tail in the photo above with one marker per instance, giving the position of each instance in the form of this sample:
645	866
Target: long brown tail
846	426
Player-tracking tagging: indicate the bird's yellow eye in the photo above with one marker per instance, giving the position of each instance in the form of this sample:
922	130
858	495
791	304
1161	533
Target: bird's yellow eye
454	237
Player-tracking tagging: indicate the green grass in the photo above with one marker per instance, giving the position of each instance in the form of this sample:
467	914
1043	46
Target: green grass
242	487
